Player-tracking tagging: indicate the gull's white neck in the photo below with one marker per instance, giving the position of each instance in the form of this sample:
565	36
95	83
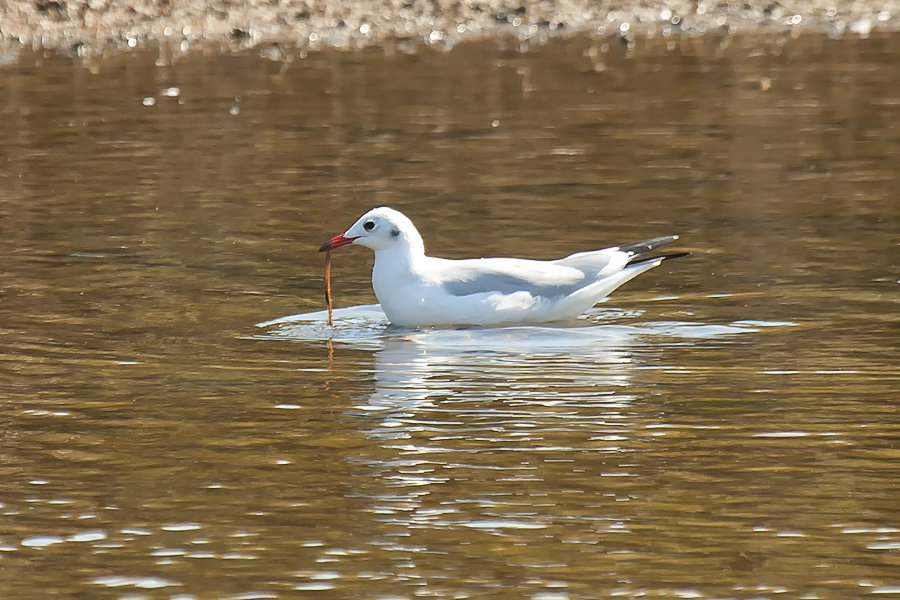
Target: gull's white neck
404	256
397	273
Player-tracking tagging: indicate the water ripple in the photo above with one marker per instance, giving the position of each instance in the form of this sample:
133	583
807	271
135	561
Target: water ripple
366	327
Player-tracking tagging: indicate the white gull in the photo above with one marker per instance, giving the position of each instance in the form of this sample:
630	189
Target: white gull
415	290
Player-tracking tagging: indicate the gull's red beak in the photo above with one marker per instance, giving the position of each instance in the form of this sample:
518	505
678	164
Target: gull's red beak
336	242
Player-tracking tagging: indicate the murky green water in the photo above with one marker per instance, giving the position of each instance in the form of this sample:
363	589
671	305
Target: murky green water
726	426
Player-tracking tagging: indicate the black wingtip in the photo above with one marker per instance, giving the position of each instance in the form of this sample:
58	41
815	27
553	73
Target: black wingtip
660	257
645	246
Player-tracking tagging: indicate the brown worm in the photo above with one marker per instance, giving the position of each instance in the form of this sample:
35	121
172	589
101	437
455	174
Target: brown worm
328	285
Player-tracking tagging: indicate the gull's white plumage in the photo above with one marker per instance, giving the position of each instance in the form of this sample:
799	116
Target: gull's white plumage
415	289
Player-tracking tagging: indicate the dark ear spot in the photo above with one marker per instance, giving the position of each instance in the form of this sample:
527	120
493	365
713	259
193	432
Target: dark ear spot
395	232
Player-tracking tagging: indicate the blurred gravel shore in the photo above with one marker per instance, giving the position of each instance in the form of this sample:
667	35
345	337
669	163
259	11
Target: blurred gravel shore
90	26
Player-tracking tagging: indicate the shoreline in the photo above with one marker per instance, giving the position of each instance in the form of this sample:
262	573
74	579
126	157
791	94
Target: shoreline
88	28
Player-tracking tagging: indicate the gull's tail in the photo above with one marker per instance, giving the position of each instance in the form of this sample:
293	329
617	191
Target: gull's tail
638	262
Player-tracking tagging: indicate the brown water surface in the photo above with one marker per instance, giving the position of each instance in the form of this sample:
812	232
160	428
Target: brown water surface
725	426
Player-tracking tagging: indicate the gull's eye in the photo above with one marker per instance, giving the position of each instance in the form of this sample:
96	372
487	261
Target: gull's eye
369	225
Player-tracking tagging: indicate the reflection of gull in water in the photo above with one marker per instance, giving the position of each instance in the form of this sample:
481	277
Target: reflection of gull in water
487	428
547	364
510	363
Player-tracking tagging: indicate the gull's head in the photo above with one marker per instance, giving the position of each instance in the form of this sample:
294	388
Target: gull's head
381	228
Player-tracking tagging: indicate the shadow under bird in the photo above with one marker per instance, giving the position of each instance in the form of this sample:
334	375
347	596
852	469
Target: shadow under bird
416	290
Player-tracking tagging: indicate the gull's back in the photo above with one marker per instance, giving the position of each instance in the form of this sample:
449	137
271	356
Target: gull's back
507	276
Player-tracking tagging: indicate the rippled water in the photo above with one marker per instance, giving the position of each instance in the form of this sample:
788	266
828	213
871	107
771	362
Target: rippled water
725	426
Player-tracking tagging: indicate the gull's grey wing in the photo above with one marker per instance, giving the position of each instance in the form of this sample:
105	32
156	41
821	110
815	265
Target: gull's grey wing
594	262
509	275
